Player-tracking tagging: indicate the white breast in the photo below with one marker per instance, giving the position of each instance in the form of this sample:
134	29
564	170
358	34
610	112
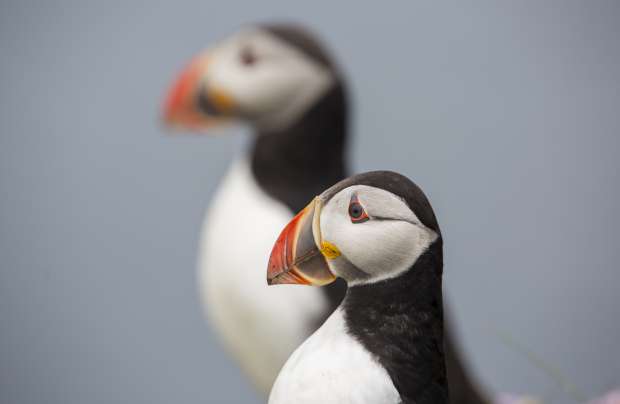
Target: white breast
260	325
331	367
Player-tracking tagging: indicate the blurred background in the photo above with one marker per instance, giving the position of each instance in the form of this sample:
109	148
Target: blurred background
506	114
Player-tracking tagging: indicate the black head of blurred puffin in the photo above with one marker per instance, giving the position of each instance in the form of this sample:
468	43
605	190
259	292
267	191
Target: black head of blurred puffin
282	82
384	343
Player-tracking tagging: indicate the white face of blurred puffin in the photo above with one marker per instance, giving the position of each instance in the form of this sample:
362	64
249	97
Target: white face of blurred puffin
267	80
376	233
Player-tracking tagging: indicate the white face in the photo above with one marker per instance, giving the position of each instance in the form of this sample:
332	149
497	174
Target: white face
271	81
377	234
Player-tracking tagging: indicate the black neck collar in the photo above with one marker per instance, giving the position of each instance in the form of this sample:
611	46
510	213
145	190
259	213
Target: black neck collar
400	322
298	163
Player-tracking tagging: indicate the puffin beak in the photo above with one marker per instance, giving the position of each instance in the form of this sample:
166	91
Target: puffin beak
191	104
297	257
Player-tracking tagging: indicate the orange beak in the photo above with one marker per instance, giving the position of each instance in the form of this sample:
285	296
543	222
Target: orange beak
184	103
296	256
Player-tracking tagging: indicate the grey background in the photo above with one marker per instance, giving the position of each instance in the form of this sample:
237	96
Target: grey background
506	114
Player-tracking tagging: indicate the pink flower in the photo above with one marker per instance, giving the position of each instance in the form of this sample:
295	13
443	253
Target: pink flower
613	397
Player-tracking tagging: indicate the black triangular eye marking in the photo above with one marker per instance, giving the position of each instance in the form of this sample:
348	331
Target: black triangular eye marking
382	218
355	202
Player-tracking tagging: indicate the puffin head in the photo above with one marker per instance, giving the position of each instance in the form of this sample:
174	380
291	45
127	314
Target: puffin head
367	228
265	76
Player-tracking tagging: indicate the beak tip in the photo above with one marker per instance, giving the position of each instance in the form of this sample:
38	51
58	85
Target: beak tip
178	110
168	124
274	274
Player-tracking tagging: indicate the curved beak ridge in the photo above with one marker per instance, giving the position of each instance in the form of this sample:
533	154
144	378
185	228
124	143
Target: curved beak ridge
296	257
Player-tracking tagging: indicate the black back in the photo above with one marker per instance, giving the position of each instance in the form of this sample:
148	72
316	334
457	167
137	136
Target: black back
400	321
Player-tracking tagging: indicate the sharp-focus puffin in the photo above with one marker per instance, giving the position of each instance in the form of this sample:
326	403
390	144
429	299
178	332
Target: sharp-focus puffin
384	343
281	81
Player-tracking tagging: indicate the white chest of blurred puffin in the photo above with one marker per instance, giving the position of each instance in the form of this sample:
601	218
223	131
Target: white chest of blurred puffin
384	344
281	82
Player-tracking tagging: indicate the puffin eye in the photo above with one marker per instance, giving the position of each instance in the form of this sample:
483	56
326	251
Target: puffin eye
356	211
247	56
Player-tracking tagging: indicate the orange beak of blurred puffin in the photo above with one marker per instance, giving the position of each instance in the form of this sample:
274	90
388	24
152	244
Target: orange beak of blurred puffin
300	255
191	105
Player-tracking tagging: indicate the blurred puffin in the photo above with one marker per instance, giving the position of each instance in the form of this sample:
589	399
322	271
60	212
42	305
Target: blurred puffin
384	343
282	82
278	80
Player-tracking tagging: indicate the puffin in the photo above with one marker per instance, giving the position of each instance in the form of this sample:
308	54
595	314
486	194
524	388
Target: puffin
282	82
384	342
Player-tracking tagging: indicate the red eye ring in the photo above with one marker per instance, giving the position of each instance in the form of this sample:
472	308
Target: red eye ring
357	213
